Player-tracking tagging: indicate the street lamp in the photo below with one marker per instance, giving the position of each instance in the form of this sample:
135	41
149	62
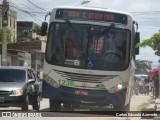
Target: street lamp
85	2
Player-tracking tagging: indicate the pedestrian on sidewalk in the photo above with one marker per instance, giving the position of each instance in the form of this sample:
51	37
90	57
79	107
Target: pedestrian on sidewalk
155	79
146	85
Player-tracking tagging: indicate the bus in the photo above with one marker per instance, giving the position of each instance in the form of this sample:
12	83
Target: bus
89	58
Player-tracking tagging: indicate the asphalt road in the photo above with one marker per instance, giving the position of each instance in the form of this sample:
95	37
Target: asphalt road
136	101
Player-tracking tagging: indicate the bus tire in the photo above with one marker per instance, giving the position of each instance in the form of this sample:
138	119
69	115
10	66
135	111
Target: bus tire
54	105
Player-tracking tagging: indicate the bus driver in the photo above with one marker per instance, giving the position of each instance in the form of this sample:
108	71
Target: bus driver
112	53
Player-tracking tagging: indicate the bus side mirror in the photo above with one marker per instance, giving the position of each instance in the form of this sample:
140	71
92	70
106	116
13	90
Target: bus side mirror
44	28
137	41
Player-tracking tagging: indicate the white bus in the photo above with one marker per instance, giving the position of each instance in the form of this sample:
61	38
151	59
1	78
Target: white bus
89	58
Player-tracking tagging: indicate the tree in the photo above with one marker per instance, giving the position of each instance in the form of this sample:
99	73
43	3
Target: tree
153	42
8	35
143	66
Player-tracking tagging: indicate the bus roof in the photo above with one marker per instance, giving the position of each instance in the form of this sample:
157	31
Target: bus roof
93	8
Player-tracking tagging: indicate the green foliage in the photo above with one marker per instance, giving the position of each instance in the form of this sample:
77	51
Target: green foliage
142	66
36	30
153	42
23	40
143	106
8	35
150	42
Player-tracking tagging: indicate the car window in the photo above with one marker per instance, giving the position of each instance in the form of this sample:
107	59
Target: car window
12	75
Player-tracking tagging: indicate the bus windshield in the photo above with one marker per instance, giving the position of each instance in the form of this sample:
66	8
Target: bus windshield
84	46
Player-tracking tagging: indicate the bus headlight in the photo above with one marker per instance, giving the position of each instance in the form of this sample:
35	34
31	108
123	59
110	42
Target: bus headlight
52	82
118	87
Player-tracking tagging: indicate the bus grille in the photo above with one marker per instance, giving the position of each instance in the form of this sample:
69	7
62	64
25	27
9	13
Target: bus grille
85	78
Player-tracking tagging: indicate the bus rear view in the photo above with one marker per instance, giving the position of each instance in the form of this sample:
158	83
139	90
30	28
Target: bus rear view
89	58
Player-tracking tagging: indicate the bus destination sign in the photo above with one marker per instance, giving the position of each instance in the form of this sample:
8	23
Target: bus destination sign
90	15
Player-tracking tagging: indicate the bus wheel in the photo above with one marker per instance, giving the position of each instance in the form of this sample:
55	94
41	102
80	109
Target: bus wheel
55	105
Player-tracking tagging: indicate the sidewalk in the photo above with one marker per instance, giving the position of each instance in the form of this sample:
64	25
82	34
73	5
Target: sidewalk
154	105
151	102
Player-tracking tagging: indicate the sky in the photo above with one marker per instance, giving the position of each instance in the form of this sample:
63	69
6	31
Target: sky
145	12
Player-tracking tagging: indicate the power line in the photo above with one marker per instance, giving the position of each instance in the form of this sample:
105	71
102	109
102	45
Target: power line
31	13
154	27
146	12
34	14
36	5
27	12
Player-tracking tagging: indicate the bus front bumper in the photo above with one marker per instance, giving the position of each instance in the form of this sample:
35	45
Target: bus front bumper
84	96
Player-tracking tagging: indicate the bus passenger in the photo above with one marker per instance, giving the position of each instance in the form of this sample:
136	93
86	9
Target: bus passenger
97	44
72	49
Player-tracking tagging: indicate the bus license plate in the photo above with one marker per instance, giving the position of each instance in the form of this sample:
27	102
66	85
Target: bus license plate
81	92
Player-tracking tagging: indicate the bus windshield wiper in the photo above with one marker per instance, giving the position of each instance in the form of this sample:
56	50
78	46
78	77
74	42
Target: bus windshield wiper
105	30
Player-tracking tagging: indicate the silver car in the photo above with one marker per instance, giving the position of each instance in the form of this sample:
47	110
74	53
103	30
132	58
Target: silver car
19	88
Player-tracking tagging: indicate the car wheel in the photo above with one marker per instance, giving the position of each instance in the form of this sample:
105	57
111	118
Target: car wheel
55	105
36	103
25	105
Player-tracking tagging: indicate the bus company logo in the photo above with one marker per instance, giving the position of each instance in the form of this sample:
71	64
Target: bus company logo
6	114
21	114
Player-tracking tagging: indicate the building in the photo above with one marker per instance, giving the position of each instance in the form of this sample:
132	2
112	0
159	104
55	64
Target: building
12	23
28	31
17	58
26	46
28	39
31	53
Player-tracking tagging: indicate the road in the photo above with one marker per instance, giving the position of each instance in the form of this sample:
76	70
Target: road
136	101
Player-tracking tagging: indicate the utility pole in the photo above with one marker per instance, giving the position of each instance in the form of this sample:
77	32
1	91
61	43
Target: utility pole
5	8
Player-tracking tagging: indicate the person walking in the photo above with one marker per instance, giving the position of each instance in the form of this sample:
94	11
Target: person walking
146	85
155	79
